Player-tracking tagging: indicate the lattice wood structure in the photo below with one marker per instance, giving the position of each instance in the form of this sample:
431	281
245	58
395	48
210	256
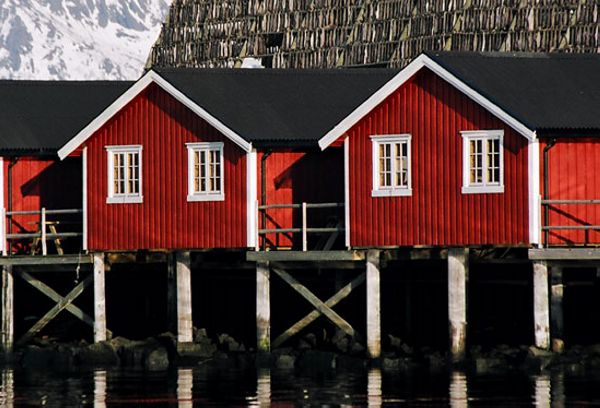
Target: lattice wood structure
350	33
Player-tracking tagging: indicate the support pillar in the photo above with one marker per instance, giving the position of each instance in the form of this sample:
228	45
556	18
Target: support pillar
184	297
541	312
171	294
458	271
99	298
7	329
263	308
556	309
373	304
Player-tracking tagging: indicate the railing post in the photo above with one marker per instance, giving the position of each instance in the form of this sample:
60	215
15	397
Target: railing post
43	229
304	240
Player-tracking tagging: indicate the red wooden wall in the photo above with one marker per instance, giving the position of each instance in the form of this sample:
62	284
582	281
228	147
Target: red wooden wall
165	220
437	213
38	183
296	177
572	165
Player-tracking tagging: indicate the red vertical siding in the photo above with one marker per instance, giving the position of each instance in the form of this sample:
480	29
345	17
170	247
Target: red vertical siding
296	177
572	176
38	183
437	213
165	219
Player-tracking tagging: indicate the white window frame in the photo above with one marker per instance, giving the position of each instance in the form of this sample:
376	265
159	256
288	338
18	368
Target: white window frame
378	190
208	195
484	187
114	198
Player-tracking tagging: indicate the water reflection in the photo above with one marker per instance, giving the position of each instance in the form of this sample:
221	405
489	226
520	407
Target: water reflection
263	387
458	390
100	389
542	386
557	390
374	394
185	383
7	390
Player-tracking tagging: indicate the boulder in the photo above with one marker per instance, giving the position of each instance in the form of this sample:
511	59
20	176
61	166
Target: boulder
157	359
285	361
99	354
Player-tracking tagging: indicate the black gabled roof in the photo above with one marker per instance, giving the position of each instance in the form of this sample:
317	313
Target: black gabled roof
542	91
270	107
39	117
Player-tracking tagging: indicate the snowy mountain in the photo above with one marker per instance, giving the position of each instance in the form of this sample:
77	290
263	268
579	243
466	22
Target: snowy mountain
77	39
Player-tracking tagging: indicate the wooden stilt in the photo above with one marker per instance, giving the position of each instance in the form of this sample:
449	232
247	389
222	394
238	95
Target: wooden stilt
541	315
99	298
263	307
373	305
184	297
458	270
556	309
171	294
7	311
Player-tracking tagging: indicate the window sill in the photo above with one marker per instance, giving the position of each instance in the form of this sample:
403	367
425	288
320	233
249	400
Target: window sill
125	200
482	189
206	197
400	192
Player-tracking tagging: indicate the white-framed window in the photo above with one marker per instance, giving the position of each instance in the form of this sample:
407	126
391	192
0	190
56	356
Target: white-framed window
483	161
391	165
205	171
124	174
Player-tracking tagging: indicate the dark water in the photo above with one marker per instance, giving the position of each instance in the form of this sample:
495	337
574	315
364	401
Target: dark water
206	386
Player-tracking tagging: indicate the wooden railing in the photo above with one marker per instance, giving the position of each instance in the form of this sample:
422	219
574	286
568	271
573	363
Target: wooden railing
304	229
49	227
546	228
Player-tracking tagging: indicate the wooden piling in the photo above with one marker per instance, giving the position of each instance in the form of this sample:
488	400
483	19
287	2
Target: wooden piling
556	309
263	307
541	312
171	294
184	297
373	304
99	298
7	297
458	270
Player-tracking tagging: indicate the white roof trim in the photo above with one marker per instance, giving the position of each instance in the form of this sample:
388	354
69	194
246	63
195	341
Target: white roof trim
129	95
403	76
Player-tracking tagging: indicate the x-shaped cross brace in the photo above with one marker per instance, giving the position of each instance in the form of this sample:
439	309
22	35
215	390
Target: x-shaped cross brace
62	303
322	308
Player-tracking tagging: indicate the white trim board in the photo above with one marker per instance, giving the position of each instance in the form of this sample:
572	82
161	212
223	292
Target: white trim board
535	213
129	95
393	84
251	193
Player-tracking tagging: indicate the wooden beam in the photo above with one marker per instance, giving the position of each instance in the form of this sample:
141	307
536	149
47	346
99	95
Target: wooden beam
308	256
373	304
458	270
316	302
342	293
99	298
564	254
263	307
541	312
184	297
7	298
52	313
556	309
45	260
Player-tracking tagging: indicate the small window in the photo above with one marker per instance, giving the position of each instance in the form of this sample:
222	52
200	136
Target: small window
205	171
391	166
124	174
483	169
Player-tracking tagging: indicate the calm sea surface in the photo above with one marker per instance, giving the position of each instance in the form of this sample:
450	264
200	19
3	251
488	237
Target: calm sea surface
209	386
